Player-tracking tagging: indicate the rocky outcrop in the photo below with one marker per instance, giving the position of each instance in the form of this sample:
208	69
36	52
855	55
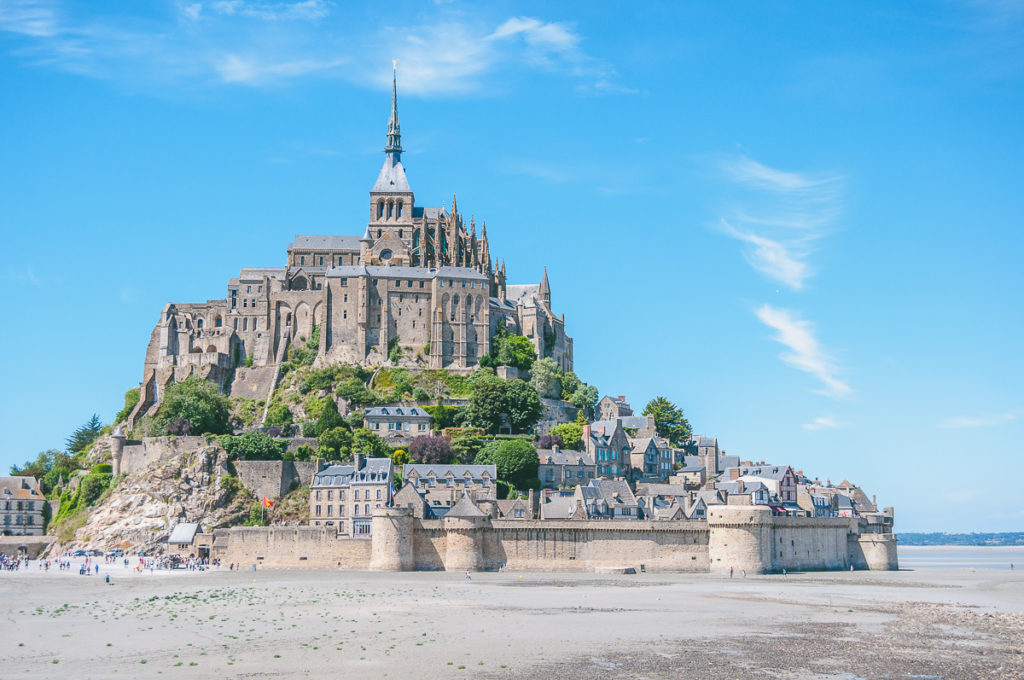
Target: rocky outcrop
195	486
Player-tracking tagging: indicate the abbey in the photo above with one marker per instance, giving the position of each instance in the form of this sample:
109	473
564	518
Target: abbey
419	278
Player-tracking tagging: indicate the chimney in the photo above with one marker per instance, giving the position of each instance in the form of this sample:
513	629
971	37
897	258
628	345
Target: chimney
734	474
622	397
360	461
739	486
586	435
554	447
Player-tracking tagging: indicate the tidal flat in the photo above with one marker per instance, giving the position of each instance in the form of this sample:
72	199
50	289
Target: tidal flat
921	623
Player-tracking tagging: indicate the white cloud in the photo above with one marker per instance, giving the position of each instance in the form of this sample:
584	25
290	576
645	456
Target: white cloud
234	68
549	36
272	11
779	215
23	276
806	353
193	11
958	422
822	423
34	18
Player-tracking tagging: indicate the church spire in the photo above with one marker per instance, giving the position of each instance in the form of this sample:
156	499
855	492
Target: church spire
394	130
545	288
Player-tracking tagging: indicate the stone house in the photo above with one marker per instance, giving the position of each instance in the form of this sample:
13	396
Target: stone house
557	504
441	486
780	479
610	408
746	492
650	458
608	499
691	476
564	468
515	508
607	445
21	506
397	422
344	496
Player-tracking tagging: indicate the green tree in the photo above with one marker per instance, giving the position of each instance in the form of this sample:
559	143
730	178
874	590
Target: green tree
487	404
370	445
199	402
584	397
571	433
279	414
356	392
131	398
514	459
92	487
253	445
466	447
517	351
570	383
545	378
522	404
355	419
84	435
669	420
337	441
329	417
444	416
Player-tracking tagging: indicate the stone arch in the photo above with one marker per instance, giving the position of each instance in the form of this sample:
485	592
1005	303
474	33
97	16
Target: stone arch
318	314
196	350
211	349
299	283
303	320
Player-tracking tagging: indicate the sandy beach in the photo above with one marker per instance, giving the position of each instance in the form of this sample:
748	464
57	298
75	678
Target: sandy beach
923	623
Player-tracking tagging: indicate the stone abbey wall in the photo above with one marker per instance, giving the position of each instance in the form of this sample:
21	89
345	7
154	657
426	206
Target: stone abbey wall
740	538
274	478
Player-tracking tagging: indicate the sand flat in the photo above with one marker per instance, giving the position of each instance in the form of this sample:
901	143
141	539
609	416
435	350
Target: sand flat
941	623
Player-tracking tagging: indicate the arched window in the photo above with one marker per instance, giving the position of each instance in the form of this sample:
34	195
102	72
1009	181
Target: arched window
211	349
218	322
380	209
380	232
391	209
288	319
400	208
199	323
245	324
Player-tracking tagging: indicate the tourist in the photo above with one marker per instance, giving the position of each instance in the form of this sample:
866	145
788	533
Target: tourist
468	577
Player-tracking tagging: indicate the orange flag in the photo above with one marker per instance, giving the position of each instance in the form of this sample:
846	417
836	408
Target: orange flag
267	502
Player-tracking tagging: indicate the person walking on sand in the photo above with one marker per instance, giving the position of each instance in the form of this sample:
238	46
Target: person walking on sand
744	572
468	577
730	572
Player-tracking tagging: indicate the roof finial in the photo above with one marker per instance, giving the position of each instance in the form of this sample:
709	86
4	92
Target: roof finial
394	130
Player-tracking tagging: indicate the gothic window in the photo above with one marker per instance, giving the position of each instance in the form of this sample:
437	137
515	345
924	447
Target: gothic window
391	209
245	324
400	214
218	322
248	289
199	323
380	210
236	324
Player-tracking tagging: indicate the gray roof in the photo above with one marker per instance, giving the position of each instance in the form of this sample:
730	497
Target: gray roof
391	178
614	491
375	471
638	422
440	471
313	242
733	487
426	273
661	490
773	472
563	457
465	508
691	468
525	295
558	507
184	533
395	411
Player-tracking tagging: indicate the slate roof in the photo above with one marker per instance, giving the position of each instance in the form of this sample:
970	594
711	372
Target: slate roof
425	273
375	471
324	242
733	487
524	294
184	533
661	490
20	488
465	508
773	472
397	411
615	492
691	468
563	457
392	178
558	507
641	444
440	471
637	422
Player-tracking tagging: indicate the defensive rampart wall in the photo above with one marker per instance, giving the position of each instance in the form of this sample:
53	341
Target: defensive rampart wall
314	547
274	478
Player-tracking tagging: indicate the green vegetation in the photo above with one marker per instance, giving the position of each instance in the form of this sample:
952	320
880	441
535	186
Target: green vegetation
280	415
198	402
669	420
246	412
509	350
515	459
335	443
131	399
253	446
571	433
302	354
84	436
495	402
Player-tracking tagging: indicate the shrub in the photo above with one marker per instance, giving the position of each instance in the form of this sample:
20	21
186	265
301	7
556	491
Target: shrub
102	468
515	459
431	449
253	446
337	442
131	399
279	414
199	402
420	394
549	441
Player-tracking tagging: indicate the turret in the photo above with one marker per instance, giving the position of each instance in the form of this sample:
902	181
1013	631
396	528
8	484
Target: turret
116	449
545	289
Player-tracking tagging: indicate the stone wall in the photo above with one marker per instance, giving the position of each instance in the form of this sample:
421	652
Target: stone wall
314	547
9	545
141	454
274	478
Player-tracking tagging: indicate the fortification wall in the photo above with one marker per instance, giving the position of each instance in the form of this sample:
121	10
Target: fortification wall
253	383
274	478
10	545
314	547
430	542
873	551
141	454
596	544
809	543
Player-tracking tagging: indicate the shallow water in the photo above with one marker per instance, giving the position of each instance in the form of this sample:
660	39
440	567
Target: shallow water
960	557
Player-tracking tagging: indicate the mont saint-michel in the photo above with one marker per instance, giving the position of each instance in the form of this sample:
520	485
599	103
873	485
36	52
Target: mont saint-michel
390	402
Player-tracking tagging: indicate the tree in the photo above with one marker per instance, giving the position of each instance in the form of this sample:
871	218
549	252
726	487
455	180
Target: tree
571	433
356	392
84	435
466	447
355	419
370	445
199	402
545	378
329	417
514	459
487	404
522	404
444	416
517	351
337	442
253	445
549	441
279	414
669	420
420	394
570	383
400	458
585	396
431	448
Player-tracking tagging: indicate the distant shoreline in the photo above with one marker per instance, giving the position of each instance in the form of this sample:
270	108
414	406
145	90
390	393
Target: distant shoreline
993	540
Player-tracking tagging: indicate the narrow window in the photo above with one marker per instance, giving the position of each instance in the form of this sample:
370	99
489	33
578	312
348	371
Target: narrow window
302	260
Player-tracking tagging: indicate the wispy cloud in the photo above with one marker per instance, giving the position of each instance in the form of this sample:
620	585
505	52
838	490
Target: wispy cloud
267	44
779	215
806	353
822	423
23	276
958	422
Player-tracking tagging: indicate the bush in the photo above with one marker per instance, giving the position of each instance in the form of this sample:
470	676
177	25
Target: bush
92	487
420	394
279	414
199	402
431	449
515	459
253	446
102	468
329	418
549	441
337	442
131	399
370	445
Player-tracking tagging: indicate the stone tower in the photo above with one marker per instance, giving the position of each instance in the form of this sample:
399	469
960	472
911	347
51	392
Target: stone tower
392	542
740	537
462	527
116	449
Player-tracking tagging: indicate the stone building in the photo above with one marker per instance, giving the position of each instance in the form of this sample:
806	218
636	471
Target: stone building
344	496
21	506
419	278
564	468
397	422
610	408
441	486
607	445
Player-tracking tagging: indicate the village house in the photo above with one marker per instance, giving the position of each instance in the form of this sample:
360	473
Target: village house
397	422
747	492
607	445
780	479
564	468
608	499
21	506
441	486
650	458
344	496
516	508
610	408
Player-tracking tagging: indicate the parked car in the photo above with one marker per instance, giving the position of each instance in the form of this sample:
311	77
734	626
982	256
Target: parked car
116	552
78	553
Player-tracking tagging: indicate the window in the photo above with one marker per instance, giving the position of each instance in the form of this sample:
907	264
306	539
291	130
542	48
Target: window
344	281
248	289
400	214
199	323
318	511
330	494
346	297
259	289
421	284
341	495
344	314
356	496
318	494
366	508
380	210
330	509
341	510
355	509
302	260
450	481
378	494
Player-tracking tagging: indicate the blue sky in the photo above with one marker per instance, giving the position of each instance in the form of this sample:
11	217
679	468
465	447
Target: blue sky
800	221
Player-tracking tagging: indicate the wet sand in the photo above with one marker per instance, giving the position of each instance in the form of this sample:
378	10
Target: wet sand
930	623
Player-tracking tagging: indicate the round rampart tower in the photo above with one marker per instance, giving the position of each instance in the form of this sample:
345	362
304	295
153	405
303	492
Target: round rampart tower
116	450
740	537
391	539
462	543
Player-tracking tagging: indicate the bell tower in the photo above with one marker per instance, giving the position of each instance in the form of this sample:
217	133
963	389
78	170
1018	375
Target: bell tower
391	199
